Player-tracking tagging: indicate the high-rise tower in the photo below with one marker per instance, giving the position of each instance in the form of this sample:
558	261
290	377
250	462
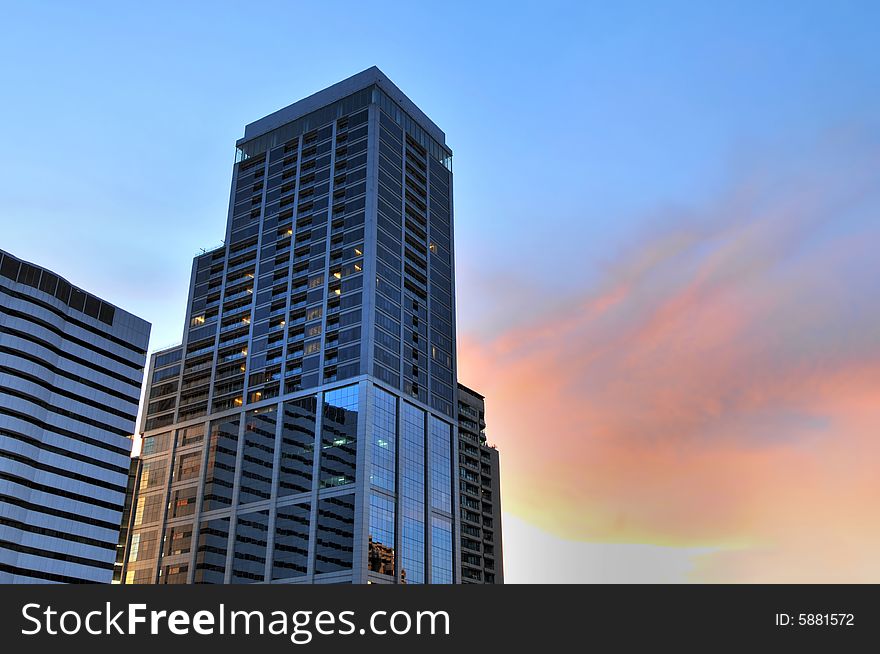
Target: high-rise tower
304	430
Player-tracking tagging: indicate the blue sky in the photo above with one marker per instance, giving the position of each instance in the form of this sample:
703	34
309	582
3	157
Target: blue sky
583	118
588	137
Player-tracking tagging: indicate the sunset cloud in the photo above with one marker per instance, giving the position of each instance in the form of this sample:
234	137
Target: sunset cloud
719	388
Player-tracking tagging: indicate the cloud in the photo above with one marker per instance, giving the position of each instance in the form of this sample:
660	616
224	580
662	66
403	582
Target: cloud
534	556
717	389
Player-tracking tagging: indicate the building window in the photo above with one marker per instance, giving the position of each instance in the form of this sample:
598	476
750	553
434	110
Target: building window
335	535
381	538
339	437
412	495
441	550
291	549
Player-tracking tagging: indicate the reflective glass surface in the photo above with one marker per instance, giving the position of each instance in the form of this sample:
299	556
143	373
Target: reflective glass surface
412	495
384	439
249	555
334	545
220	468
211	552
291	558
381	542
441	464
441	550
297	446
339	437
258	455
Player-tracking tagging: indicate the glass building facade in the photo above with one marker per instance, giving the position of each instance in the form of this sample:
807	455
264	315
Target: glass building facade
303	430
71	369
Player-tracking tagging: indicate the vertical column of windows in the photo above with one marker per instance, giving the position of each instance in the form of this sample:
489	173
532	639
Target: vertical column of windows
387	330
412	495
339	437
439	253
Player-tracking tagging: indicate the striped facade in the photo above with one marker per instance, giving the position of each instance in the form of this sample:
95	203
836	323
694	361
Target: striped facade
71	368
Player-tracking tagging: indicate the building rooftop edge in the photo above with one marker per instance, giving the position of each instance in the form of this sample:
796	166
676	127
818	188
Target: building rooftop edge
336	92
145	322
470	390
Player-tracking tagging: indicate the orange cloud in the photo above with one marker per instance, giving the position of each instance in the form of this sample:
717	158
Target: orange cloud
720	388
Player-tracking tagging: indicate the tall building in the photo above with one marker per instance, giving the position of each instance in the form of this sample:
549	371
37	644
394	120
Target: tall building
480	494
71	368
303	430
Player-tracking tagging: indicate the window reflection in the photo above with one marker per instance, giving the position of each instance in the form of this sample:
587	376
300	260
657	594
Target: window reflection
178	540
297	446
258	455
441	550
291	555
334	544
339	437
381	540
412	495
441	464
220	469
211	553
384	439
183	502
249	555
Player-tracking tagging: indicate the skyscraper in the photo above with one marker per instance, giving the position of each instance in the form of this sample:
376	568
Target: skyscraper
71	368
303	432
479	472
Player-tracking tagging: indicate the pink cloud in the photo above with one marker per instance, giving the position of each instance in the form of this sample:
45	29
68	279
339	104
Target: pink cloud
720	387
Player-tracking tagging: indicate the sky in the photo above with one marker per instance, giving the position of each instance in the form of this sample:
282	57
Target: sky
666	217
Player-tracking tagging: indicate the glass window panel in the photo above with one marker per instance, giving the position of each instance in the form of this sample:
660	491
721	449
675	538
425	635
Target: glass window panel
174	573
339	437
441	550
412	494
381	543
291	556
148	509
441	464
190	435
144	545
384	439
335	537
258	455
178	540
155	444
187	466
220	469
183	502
211	553
153	473
249	555
297	446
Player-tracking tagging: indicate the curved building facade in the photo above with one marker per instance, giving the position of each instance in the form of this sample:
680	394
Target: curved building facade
71	368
